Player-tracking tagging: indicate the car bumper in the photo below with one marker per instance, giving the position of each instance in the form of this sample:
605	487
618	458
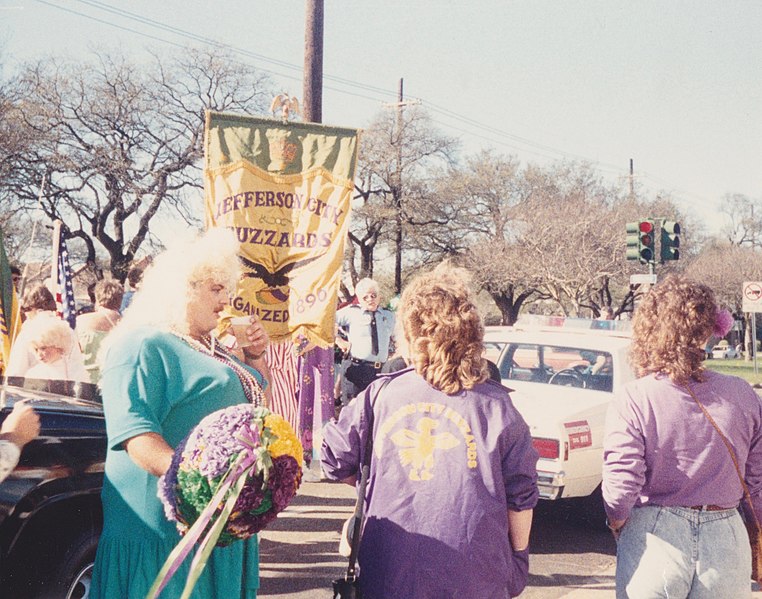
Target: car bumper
550	484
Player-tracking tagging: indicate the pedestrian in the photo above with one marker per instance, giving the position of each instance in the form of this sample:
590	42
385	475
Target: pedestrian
19	428
453	479
51	340
670	486
163	372
39	302
16	277
92	327
134	278
366	335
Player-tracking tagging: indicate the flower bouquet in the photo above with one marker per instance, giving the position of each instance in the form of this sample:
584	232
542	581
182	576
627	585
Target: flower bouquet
236	470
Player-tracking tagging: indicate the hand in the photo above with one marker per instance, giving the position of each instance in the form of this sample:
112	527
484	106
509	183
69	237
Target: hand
22	425
616	526
343	345
258	338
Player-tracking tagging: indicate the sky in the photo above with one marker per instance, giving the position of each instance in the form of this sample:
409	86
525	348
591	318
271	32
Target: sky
675	86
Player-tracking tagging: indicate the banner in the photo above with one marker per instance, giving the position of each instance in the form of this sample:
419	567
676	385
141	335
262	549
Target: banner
10	315
285	189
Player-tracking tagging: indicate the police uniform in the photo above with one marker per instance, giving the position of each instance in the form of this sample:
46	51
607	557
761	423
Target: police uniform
356	324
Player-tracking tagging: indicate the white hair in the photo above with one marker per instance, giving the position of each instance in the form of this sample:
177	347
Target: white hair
46	329
365	285
167	288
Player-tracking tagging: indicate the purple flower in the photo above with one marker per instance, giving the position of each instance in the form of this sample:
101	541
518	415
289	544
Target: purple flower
251	495
168	483
205	456
285	477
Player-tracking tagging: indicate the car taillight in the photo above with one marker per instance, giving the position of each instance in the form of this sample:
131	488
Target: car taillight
547	448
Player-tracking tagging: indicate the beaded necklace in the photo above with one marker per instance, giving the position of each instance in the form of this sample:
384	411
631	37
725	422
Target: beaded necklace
208	345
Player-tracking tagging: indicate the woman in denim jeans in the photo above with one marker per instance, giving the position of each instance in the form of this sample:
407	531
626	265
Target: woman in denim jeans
670	487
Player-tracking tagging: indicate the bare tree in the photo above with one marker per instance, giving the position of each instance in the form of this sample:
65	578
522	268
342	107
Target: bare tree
745	228
120	143
395	169
725	267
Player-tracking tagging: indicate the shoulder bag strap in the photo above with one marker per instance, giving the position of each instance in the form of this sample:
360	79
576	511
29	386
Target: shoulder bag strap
746	494
364	475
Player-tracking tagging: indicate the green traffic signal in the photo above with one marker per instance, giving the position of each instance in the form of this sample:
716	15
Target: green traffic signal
670	240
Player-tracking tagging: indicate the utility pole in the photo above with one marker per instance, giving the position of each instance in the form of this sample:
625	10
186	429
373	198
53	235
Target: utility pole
632	179
397	197
313	62
396	186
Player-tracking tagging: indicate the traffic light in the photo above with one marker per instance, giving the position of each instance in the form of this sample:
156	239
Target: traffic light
670	240
633	241
640	241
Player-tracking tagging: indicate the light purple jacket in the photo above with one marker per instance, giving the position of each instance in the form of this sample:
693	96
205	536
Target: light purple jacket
660	449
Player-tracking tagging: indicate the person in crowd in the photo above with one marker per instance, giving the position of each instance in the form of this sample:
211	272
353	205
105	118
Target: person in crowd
452	482
92	327
670	487
606	313
51	340
39	302
134	277
16	277
19	428
163	371
90	307
366	335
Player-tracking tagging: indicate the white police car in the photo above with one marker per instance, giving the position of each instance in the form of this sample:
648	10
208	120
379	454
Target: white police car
564	373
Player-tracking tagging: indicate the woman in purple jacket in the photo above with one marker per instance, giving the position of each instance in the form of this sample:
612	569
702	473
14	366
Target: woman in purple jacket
670	488
452	476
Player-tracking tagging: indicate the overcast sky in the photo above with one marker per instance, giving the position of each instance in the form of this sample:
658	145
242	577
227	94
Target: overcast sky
676	86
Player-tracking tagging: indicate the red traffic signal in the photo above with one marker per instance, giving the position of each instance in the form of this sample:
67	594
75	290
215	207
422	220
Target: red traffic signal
646	241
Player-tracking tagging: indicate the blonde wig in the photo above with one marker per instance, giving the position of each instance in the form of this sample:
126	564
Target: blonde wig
47	330
168	292
671	327
443	330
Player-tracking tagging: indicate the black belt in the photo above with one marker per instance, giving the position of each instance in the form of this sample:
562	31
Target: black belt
376	365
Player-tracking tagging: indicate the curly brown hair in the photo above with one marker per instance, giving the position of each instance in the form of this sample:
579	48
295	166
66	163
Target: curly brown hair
671	327
443	330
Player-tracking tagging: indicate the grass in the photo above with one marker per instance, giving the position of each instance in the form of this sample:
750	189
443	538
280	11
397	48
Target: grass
740	368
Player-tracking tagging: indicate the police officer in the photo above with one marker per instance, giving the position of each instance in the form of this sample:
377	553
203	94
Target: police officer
366	334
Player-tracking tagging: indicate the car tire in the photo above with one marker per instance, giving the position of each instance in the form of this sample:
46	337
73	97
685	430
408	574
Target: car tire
72	572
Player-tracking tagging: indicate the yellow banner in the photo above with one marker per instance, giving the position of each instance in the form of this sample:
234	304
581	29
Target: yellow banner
10	314
285	189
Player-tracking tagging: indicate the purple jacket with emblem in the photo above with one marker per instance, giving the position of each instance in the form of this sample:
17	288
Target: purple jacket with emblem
444	473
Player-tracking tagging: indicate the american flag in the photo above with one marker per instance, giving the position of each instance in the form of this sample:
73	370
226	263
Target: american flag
65	293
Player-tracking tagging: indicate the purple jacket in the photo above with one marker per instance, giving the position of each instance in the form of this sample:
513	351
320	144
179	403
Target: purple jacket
660	449
444	473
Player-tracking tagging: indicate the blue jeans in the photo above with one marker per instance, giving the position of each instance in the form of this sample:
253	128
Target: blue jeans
679	553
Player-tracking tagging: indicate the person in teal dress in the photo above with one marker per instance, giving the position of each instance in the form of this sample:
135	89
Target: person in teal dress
162	373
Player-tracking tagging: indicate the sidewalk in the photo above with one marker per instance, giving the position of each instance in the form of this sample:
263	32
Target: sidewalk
299	552
605	588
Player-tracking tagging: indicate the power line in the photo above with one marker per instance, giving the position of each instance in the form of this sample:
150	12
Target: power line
361	90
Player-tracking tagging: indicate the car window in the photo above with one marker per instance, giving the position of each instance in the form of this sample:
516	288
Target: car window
557	365
73	389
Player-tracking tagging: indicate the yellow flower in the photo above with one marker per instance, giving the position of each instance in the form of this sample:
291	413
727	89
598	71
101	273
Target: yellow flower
286	441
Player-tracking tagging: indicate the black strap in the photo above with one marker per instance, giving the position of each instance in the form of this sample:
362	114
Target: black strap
364	475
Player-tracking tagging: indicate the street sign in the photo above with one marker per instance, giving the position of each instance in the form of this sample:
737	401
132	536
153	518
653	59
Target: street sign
644	279
752	296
